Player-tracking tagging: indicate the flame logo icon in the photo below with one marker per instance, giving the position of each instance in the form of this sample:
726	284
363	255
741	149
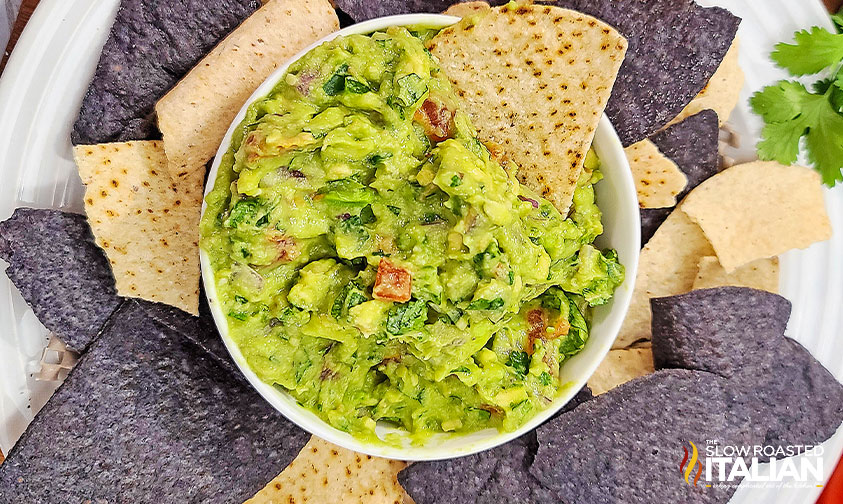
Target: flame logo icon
695	461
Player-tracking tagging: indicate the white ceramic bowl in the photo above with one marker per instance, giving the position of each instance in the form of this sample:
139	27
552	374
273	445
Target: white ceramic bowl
617	199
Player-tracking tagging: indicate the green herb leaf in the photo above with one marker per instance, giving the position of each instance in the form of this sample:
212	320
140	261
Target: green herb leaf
367	216
790	112
486	304
244	212
410	89
812	52
545	378
520	361
336	84
455	181
405	317
355	86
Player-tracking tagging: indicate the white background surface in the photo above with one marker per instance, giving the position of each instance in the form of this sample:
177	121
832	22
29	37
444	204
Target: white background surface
43	85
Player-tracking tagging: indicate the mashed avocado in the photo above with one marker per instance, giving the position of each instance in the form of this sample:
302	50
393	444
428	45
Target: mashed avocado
377	262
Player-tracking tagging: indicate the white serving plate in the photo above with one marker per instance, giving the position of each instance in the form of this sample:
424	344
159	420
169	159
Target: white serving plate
617	199
42	88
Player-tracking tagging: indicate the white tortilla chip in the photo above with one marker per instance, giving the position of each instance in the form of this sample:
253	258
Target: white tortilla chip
762	274
667	267
147	224
466	9
621	366
757	210
549	73
658	179
722	92
195	115
324	473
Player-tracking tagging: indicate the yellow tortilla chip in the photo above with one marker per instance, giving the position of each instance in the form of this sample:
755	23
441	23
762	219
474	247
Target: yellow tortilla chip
147	224
324	473
757	210
195	115
657	179
550	73
668	266
466	9
762	274
620	366
722	92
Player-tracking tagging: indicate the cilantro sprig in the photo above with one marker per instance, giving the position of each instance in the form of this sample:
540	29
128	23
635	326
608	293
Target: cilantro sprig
792	112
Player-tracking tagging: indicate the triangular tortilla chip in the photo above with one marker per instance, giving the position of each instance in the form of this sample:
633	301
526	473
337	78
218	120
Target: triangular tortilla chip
722	92
757	210
466	9
147	225
762	274
195	115
324	473
658	180
620	366
668	266
549	73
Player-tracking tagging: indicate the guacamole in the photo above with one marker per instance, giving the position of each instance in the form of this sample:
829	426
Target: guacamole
380	263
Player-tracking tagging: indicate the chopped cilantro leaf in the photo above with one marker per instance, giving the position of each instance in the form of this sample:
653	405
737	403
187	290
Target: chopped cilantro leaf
544	378
520	361
405	317
486	304
355	86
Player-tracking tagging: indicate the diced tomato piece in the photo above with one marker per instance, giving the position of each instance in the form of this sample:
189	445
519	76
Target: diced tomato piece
536	325
392	282
288	249
436	119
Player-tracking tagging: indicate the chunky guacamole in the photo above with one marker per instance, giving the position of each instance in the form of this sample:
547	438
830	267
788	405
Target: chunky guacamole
380	263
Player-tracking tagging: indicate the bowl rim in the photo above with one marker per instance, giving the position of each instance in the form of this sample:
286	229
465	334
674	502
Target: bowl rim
307	420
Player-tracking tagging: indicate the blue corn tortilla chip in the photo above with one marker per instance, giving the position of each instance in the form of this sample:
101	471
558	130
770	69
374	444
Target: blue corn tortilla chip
675	46
738	333
497	475
693	145
146	415
151	46
200	330
626	445
61	273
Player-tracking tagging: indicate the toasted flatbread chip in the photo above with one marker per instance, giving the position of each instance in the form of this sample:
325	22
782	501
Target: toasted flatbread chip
762	274
760	209
668	266
147	224
466	9
620	366
657	179
195	115
325	473
675	46
722	92
549	73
